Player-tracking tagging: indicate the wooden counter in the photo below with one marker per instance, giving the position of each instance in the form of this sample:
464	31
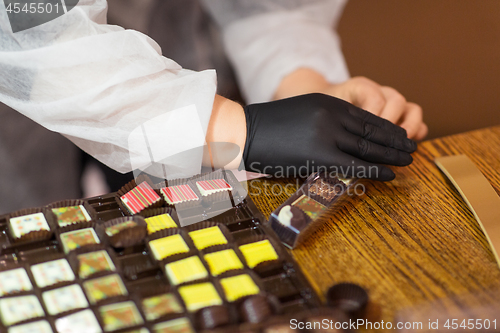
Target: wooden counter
409	242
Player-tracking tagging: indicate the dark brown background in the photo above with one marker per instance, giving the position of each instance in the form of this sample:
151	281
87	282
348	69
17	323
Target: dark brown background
441	54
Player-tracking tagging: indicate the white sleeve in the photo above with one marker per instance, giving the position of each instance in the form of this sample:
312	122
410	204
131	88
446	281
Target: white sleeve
267	39
108	90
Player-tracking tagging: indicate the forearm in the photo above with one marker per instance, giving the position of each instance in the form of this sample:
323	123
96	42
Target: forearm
300	82
227	124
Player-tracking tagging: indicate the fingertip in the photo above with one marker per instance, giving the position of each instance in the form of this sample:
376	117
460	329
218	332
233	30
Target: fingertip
422	132
386	174
382	173
411	131
407	160
411	145
402	131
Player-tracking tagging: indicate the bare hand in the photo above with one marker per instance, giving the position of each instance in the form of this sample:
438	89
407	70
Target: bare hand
383	101
364	93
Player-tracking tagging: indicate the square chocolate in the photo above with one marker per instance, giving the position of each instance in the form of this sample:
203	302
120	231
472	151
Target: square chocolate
94	262
23	225
120	315
180	325
73	323
14	281
185	270
158	306
104	287
139	198
238	286
201	295
69	215
72	240
16	309
40	326
52	272
168	246
64	299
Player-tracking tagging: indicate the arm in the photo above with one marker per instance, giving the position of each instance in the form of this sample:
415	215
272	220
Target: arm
112	93
108	90
283	49
266	40
227	124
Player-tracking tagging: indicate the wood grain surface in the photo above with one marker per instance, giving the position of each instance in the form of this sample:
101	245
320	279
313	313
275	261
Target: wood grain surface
412	243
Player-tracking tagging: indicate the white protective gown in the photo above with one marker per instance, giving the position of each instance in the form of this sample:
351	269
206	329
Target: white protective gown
112	93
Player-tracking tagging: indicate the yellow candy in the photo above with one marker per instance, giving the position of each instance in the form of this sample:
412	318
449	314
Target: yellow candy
185	270
160	222
199	296
238	286
258	252
223	261
167	246
204	238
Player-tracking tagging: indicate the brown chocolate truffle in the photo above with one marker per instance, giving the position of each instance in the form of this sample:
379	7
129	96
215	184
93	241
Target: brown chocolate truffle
299	219
279	328
213	317
255	309
348	297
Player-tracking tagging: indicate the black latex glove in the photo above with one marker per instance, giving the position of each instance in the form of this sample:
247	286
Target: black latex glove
318	130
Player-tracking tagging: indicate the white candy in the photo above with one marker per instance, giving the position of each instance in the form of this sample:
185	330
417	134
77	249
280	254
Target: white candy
285	215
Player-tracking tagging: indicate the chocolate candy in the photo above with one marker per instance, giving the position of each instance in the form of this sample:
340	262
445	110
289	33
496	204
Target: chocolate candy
75	239
207	237
72	214
139	198
213	317
168	246
348	297
20	308
238	286
52	272
13	281
185	270
223	261
225	271
158	306
104	287
198	296
74	322
175	325
124	231
258	252
255	309
319	193
94	262
64	299
120	315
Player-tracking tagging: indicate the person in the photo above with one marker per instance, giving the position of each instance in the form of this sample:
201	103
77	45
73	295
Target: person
112	93
286	48
277	48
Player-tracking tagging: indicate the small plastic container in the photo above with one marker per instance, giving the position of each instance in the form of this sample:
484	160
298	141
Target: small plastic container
298	217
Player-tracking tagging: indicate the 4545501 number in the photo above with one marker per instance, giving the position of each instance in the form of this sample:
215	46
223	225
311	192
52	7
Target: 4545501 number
470	324
33	8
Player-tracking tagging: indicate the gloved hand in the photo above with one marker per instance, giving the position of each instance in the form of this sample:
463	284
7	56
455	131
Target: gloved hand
317	132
